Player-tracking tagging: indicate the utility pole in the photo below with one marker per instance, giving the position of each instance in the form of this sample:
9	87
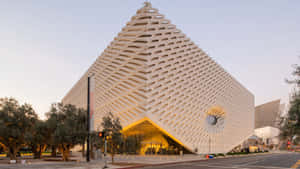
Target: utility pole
88	122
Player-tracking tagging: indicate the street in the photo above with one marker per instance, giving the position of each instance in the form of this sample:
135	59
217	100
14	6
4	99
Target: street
260	161
269	161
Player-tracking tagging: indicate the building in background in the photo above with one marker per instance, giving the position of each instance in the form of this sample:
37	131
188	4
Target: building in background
267	121
165	88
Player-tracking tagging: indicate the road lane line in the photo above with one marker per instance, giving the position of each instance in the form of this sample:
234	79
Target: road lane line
217	166
235	161
253	162
260	166
296	164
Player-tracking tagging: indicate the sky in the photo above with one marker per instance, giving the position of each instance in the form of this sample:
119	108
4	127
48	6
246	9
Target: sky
46	46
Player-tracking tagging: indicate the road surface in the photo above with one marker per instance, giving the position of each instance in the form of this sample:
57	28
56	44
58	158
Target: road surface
261	161
267	161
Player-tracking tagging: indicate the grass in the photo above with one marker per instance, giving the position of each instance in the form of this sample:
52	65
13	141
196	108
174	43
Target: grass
24	154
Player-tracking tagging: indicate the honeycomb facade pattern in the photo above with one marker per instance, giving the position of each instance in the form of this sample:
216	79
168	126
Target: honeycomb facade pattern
152	70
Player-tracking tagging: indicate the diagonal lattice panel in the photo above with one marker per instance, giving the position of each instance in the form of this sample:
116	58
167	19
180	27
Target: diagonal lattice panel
152	70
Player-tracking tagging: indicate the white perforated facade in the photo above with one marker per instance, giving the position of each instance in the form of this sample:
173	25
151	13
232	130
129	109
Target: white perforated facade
152	70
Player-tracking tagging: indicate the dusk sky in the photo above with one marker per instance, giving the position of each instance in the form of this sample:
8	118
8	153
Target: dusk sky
46	46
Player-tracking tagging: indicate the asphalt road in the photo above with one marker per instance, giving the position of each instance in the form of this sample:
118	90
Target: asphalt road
261	161
268	161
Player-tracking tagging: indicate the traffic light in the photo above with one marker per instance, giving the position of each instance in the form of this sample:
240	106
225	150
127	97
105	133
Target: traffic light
101	134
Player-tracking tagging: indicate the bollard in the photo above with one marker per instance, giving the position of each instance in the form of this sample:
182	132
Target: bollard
13	161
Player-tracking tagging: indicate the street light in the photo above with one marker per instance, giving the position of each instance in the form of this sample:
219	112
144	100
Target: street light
88	120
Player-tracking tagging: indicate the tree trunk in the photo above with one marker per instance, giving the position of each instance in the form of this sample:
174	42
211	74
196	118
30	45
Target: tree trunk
66	152
112	157
37	151
34	151
112	153
12	152
83	149
92	152
53	152
40	152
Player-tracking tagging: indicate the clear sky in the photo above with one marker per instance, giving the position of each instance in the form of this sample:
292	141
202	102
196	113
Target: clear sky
45	46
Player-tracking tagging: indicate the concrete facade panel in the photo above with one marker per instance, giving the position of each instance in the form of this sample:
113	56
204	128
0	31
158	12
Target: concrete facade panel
153	70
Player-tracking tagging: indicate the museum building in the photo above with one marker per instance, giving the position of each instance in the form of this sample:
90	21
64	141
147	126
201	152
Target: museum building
162	86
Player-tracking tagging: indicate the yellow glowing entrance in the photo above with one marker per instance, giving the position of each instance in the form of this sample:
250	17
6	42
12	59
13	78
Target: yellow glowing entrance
155	140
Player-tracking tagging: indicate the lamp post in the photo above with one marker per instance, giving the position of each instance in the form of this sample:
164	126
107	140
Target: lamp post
88	117
88	121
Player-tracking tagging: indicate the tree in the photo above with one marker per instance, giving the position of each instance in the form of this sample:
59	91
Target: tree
287	130
296	74
51	124
290	125
69	128
81	120
112	129
37	138
15	122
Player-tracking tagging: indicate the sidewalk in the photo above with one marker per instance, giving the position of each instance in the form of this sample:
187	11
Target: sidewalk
121	161
156	159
